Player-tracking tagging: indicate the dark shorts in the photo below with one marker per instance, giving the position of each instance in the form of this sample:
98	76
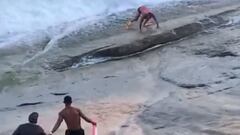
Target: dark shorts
74	132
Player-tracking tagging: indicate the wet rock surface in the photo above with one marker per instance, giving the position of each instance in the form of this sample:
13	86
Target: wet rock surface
111	53
205	72
187	80
156	40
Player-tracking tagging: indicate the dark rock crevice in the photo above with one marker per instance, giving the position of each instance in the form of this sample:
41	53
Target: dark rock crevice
119	52
213	132
29	104
215	53
236	68
219	91
184	85
224	54
66	62
5	109
211	93
59	94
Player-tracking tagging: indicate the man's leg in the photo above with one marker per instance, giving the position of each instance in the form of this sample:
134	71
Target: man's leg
155	19
82	132
147	18
141	23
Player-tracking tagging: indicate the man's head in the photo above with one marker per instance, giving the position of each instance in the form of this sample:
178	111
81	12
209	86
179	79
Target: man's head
139	8
67	100
33	117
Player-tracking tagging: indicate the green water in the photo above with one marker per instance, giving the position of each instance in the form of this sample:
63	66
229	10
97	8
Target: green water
11	79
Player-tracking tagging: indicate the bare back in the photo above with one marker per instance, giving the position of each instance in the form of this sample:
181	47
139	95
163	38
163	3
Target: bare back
72	117
144	10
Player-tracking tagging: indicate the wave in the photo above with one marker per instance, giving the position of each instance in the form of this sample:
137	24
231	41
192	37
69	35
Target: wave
28	15
30	23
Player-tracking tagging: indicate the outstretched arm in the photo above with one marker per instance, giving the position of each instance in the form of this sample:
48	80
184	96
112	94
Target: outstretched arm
86	118
137	16
58	123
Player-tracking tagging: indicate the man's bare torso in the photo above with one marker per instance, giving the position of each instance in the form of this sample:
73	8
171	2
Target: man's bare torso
72	117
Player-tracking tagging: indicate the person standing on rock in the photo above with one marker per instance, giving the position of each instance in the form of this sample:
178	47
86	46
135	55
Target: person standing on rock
72	116
145	14
30	128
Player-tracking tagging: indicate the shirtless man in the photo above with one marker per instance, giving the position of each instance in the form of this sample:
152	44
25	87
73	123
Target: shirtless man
72	116
146	14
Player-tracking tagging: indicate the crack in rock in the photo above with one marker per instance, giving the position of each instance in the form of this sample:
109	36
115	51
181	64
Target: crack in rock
183	85
60	94
214	132
219	91
236	68
7	109
215	53
29	104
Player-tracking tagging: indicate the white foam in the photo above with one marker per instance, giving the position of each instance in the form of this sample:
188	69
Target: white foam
30	15
20	20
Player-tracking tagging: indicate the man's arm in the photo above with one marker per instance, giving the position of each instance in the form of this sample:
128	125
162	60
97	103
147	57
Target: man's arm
137	16
86	118
58	123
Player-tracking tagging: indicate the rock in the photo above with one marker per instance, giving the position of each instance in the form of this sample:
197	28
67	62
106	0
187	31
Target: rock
147	43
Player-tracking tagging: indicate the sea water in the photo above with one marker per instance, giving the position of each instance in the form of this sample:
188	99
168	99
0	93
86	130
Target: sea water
30	19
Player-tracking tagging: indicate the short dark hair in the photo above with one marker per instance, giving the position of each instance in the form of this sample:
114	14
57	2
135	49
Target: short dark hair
33	117
67	100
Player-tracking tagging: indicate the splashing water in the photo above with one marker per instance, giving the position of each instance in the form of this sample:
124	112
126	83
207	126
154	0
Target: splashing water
28	15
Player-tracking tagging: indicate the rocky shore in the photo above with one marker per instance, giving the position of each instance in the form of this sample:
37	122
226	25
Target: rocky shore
181	79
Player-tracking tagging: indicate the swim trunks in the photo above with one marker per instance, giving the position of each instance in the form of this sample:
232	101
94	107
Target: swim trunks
75	132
